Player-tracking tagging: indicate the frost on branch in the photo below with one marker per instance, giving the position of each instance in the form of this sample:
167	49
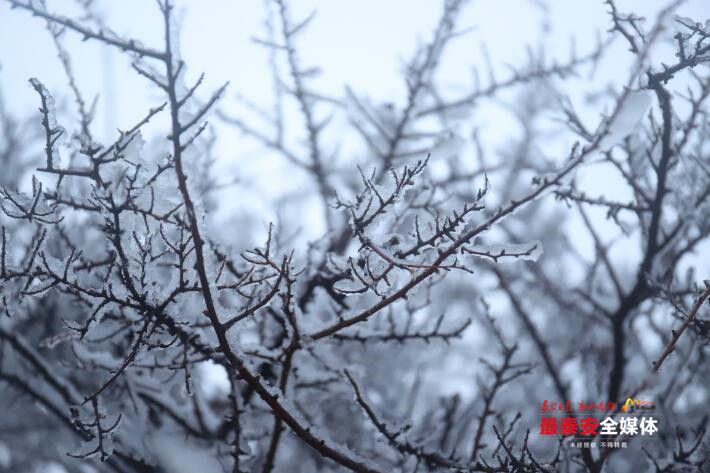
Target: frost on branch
147	324
634	108
526	251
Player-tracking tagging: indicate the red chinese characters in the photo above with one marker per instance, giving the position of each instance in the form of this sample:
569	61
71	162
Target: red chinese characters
588	426
548	426
549	406
600	406
568	426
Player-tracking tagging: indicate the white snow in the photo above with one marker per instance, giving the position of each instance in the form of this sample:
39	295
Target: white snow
214	382
5	456
52	467
176	456
631	112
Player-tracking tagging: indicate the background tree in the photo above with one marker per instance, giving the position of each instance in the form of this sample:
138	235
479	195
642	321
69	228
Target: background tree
138	336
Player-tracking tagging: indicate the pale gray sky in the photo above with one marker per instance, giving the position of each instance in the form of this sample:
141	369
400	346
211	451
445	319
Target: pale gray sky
357	43
360	44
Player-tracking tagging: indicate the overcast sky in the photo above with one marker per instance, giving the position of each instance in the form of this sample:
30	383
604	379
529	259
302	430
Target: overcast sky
358	43
361	44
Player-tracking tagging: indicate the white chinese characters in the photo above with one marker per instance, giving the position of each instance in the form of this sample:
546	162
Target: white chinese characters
628	426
